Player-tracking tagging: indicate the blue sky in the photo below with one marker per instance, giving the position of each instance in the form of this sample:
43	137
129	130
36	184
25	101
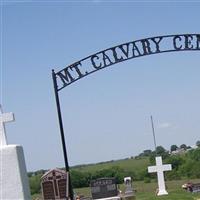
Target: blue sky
106	115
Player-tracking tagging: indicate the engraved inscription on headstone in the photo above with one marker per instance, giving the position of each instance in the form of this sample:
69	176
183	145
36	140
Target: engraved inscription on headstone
54	184
103	188
48	190
62	188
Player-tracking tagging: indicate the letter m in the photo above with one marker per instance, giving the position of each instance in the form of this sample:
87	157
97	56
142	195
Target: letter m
65	77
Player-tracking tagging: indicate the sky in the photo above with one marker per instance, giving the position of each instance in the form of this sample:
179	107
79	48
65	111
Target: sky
106	115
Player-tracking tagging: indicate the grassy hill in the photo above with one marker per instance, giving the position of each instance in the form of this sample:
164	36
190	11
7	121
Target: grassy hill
126	164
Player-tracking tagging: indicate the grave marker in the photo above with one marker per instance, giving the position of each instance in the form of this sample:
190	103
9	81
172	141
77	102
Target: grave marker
54	184
196	187
128	187
104	188
160	168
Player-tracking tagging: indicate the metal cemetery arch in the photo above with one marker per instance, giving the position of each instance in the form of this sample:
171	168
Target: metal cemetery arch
114	55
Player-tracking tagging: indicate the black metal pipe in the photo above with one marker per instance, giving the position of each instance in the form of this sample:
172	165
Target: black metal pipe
70	189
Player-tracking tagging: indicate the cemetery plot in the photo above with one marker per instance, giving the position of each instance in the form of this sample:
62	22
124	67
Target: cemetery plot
111	56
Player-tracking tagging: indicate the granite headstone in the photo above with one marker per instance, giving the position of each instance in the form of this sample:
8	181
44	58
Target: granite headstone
54	184
103	188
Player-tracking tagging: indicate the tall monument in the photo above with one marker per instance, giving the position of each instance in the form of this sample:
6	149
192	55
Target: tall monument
13	177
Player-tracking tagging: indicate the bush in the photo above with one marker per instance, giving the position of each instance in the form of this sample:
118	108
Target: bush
147	180
34	182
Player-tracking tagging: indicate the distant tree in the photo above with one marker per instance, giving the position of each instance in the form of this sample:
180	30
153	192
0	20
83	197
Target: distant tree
173	148
198	143
176	161
183	146
30	174
195	154
147	152
34	182
80	179
160	150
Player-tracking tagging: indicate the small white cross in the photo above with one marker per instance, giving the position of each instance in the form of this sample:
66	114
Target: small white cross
4	117
160	168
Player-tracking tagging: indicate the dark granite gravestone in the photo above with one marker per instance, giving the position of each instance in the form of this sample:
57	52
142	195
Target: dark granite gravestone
54	184
103	188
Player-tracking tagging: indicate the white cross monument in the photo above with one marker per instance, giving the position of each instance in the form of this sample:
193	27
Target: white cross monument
14	183
160	168
4	117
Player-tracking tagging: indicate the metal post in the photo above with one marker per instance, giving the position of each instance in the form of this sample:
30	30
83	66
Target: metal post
154	137
62	132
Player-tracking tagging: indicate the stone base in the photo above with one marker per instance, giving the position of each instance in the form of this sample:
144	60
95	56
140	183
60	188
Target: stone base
13	175
129	194
110	198
162	192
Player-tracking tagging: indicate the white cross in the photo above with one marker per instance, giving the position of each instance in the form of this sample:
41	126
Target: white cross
160	168
4	117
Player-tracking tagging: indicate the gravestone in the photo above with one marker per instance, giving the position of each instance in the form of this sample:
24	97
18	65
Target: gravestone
192	187
196	188
128	187
14	182
103	188
160	168
54	184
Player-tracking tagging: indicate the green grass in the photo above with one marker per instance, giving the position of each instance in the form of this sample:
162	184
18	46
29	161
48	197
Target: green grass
146	191
128	164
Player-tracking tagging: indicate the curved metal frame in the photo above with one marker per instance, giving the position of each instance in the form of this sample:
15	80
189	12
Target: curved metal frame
66	75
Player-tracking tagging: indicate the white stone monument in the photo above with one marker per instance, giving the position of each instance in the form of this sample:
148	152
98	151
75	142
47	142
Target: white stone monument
128	187
13	177
160	168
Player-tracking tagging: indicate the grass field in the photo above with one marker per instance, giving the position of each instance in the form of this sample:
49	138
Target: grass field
146	191
128	164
